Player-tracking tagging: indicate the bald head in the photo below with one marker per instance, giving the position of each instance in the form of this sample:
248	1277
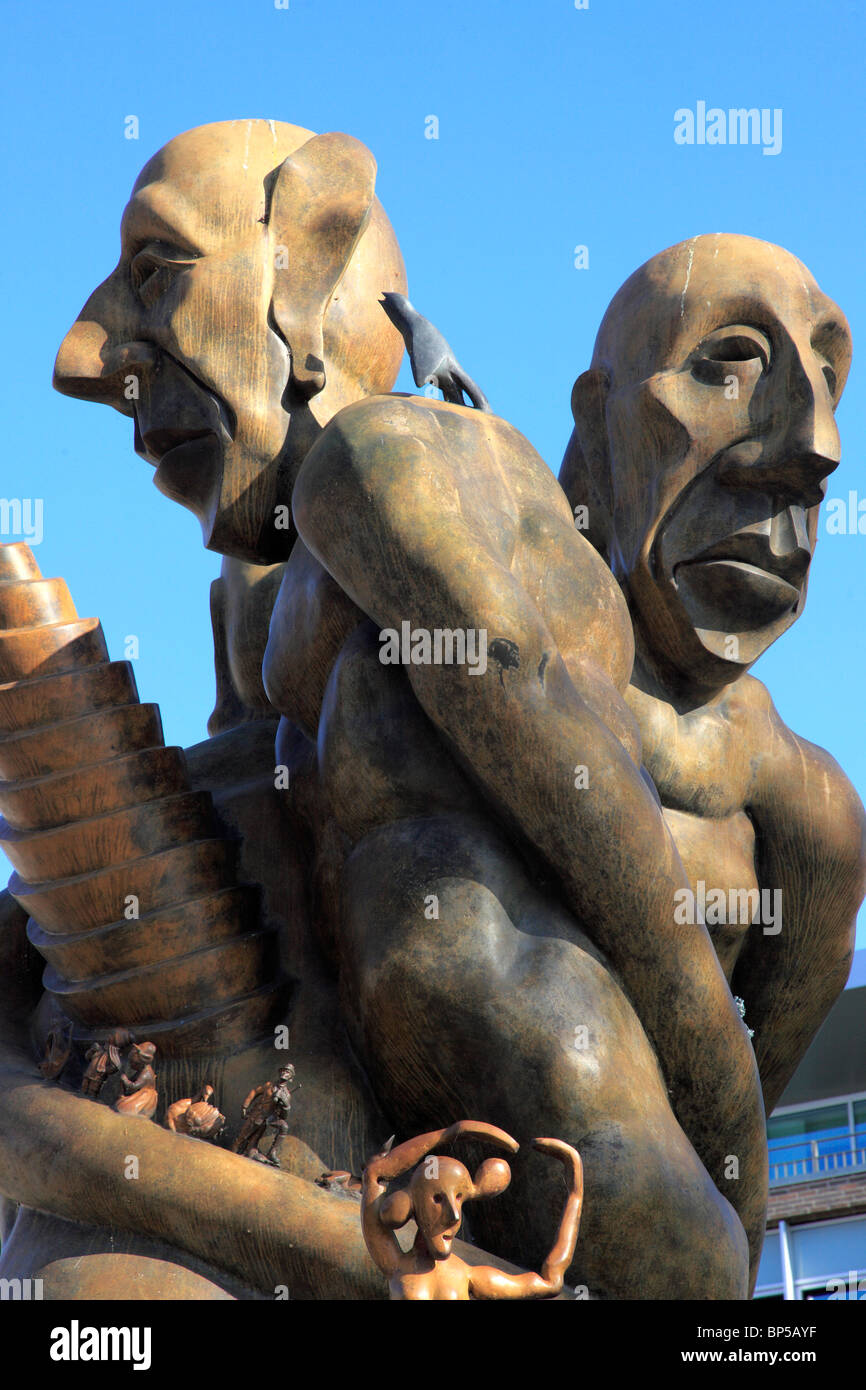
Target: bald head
242	315
682	294
222	167
704	433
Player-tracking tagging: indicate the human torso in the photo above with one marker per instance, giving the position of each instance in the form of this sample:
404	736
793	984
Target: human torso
729	775
323	666
447	1281
700	766
260	1106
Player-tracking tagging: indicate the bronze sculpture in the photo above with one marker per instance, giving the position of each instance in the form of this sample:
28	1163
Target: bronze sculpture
724	352
118	859
58	1047
104	1060
196	1115
341	1183
429	543
461	871
431	358
434	1196
138	1083
266	1107
274	207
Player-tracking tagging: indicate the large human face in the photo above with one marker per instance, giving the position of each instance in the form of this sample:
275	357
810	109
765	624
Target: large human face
721	435
178	337
242	315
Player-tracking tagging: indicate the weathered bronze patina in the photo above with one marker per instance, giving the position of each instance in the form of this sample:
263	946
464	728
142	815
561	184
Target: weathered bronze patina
242	314
497	892
510	750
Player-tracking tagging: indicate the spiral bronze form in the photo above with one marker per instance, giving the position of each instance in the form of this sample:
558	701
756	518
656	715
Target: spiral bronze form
129	881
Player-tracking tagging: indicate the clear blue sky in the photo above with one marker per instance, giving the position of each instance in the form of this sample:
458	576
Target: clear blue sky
555	129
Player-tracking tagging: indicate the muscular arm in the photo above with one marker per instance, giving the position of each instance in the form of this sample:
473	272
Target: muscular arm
256	1091
812	847
381	511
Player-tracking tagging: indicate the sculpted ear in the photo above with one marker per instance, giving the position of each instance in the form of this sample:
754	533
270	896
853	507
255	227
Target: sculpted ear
320	203
585	475
492	1177
396	1209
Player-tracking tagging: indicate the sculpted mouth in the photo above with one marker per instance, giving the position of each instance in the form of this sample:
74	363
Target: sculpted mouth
760	576
186	469
160	442
751	555
177	410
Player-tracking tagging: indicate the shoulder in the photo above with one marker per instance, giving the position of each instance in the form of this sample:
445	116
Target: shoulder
362	437
365	424
394	445
799	783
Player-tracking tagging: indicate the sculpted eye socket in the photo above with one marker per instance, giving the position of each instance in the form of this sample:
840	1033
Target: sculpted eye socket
151	261
830	378
713	360
736	349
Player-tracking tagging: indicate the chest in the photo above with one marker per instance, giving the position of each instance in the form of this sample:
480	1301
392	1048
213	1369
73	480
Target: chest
704	771
702	762
440	1285
720	862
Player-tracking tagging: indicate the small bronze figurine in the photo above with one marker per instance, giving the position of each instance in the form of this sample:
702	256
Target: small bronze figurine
103	1060
266	1107
435	1196
341	1183
196	1116
139	1083
58	1046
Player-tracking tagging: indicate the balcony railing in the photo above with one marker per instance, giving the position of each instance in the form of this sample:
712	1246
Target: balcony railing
822	1157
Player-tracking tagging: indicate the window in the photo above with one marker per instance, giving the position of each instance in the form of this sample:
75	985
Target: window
827	1261
817	1140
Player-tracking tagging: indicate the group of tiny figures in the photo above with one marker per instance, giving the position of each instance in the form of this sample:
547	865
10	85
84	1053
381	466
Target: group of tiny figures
133	1062
433	1196
265	1109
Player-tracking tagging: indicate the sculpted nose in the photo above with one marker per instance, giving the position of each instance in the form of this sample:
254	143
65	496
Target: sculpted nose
812	432
800	447
99	353
78	370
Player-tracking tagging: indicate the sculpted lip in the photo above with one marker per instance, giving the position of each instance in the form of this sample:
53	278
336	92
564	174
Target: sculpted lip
751	555
761	582
160	443
183	411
